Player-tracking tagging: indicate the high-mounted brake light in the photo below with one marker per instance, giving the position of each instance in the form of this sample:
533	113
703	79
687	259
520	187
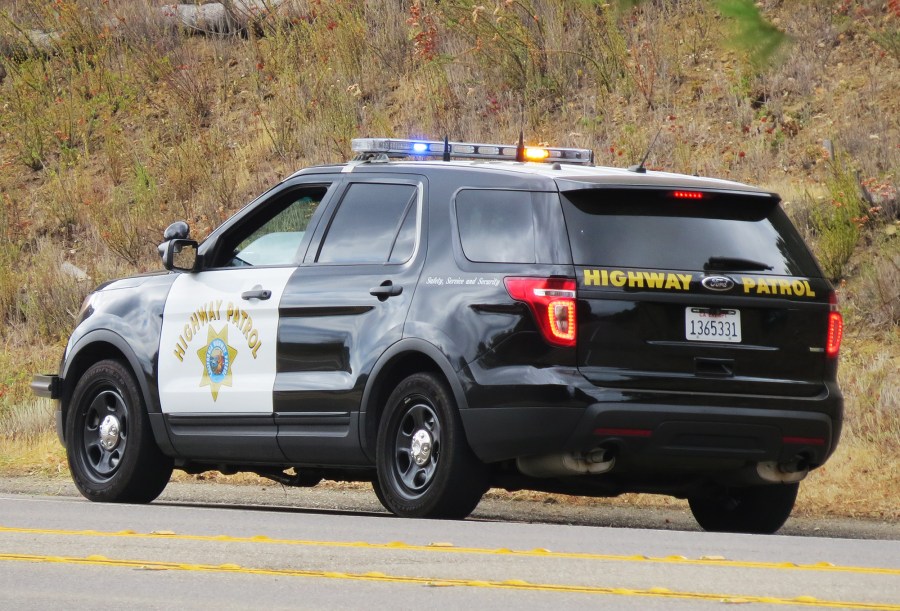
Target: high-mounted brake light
552	301
399	147
835	328
687	195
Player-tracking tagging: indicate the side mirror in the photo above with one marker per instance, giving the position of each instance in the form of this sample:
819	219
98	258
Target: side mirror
179	230
179	255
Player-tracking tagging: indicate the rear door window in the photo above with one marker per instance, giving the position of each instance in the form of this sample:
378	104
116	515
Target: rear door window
375	223
652	229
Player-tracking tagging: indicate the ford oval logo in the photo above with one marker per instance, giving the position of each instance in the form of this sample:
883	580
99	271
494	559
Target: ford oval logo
718	283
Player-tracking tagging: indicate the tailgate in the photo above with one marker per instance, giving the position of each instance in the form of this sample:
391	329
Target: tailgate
701	292
665	330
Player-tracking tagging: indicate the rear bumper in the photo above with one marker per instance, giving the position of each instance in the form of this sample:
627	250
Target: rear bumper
649	431
671	436
654	436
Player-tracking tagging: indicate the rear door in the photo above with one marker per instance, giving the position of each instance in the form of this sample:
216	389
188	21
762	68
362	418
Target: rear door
345	306
701	292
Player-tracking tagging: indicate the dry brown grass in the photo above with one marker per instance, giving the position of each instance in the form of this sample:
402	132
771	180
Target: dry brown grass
41	455
860	480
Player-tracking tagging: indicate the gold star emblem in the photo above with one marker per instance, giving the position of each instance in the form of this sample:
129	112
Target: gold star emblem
217	358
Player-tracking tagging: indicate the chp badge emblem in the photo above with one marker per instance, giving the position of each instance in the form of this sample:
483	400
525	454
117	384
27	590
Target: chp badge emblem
217	358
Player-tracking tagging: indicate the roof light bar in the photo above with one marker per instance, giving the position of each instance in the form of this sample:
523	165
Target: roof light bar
398	147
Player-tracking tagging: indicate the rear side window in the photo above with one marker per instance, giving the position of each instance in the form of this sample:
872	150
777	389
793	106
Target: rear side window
496	226
652	229
375	223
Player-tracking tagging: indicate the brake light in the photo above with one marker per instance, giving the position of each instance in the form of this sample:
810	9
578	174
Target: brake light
835	328
552	301
687	195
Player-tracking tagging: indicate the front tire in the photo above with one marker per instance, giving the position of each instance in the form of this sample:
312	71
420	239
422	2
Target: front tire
425	466
755	509
109	444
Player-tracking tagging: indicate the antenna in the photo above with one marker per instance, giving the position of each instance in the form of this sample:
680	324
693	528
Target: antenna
639	168
520	148
446	148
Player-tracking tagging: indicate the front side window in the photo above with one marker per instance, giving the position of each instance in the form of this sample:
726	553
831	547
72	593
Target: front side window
375	223
275	240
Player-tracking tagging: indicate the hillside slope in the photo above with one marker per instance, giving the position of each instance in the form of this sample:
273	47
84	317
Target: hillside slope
125	123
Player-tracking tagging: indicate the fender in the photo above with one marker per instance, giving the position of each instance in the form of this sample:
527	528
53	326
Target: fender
367	427
143	372
130	321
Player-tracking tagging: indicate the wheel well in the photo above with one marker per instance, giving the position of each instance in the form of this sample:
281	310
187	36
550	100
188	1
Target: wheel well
399	368
88	356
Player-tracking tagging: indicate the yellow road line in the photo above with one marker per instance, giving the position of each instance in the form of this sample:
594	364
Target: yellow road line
511	584
450	548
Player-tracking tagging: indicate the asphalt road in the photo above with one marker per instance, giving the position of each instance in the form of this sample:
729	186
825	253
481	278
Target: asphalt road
64	552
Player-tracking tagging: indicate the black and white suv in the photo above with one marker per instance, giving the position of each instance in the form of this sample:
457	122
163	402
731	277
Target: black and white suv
441	326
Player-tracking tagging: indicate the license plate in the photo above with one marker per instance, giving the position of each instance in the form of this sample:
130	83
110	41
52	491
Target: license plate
712	325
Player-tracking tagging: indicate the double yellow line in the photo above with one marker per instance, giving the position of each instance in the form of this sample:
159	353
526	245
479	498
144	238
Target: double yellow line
517	585
452	549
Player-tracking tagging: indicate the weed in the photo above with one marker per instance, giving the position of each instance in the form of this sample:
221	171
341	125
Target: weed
877	296
50	298
27	421
838	221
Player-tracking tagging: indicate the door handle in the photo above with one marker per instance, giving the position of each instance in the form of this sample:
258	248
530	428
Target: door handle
385	290
262	294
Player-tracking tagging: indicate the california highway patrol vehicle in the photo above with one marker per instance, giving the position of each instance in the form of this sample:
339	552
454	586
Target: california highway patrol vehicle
475	315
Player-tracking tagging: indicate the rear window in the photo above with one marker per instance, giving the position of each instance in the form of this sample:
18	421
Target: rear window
652	229
497	226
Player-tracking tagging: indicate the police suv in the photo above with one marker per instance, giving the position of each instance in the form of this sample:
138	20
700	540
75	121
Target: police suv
442	317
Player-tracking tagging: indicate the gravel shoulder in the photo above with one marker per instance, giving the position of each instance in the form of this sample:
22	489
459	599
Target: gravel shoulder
497	505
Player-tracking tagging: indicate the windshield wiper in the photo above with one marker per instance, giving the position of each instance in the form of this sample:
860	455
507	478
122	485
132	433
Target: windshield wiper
735	264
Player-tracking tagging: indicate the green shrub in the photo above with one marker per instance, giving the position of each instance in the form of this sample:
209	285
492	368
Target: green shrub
837	222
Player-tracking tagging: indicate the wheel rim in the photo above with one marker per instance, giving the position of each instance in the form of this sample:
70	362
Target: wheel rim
104	434
417	448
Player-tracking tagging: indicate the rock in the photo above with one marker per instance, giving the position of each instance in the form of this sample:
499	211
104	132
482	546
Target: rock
74	271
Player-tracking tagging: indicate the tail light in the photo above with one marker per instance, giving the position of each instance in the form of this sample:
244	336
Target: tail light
552	300
835	328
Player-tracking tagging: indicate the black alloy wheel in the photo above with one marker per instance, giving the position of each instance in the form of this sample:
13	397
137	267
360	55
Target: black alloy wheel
425	466
109	444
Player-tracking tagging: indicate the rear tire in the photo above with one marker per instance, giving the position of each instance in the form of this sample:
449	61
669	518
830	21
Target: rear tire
111	452
755	509
425	466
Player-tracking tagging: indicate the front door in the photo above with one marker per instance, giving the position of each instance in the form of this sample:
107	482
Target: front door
217	355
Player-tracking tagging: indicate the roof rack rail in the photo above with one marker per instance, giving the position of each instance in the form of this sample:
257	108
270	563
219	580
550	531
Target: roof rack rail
367	148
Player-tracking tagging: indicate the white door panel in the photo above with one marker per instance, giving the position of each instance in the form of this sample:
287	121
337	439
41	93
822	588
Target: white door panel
217	350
